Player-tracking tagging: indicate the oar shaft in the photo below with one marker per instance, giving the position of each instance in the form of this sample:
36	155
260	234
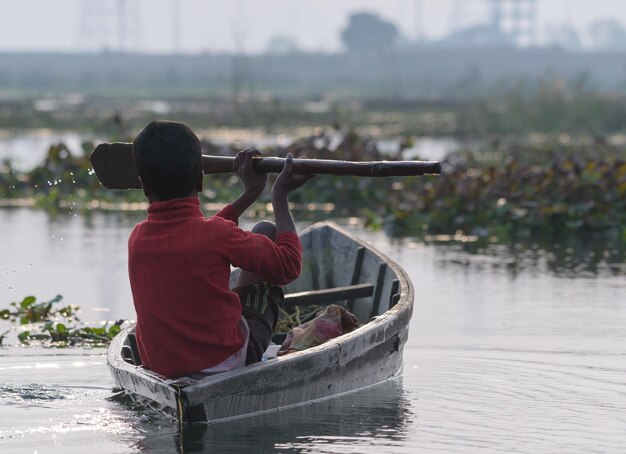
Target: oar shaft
223	164
115	167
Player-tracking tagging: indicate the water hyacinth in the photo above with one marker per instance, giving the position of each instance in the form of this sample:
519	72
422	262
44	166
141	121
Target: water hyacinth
44	323
498	189
564	194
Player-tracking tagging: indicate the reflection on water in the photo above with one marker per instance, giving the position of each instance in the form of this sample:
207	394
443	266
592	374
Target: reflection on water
565	256
363	421
55	401
574	255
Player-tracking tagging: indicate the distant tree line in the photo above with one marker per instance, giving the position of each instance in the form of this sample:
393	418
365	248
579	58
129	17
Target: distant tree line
393	74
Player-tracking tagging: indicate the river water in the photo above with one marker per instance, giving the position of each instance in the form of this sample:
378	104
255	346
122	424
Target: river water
517	348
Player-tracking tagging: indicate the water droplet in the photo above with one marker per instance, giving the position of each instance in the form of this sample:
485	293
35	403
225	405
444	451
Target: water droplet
30	265
10	289
52	236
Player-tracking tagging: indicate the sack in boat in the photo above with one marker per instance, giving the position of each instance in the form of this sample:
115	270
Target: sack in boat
332	322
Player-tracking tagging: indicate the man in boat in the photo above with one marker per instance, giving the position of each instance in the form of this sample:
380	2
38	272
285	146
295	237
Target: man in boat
188	319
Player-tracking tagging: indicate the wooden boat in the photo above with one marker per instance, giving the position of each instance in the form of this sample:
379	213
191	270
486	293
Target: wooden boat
337	268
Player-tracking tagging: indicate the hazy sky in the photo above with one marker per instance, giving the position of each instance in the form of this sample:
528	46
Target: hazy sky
248	25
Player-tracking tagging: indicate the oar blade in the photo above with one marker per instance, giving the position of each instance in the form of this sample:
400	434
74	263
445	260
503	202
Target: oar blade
114	166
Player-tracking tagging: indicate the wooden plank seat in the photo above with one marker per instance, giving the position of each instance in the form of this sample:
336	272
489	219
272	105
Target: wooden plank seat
329	295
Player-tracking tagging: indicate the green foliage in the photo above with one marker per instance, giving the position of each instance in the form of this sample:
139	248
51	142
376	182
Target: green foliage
24	337
550	189
498	190
491	192
30	311
54	326
63	181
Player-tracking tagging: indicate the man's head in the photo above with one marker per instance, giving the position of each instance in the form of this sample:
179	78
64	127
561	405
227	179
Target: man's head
168	158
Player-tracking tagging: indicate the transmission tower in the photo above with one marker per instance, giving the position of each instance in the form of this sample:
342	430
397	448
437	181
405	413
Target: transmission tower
108	25
517	18
175	18
127	25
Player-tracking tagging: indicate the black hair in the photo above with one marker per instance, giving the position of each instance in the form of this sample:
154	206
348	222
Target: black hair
168	158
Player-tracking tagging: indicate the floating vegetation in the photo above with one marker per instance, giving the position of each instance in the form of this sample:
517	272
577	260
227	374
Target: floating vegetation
496	190
63	182
550	192
52	324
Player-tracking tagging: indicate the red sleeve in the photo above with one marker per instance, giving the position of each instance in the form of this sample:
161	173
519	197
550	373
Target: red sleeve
228	213
278	263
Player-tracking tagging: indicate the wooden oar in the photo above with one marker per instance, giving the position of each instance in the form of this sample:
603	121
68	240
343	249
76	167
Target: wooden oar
115	167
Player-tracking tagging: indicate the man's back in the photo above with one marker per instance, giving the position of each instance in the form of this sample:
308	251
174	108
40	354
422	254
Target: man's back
179	267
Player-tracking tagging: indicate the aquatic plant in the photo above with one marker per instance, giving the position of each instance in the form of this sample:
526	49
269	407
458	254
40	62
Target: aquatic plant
501	188
566	193
47	324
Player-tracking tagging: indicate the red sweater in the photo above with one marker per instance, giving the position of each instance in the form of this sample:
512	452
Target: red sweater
179	267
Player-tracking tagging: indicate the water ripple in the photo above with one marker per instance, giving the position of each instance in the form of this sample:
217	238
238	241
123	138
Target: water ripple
517	402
